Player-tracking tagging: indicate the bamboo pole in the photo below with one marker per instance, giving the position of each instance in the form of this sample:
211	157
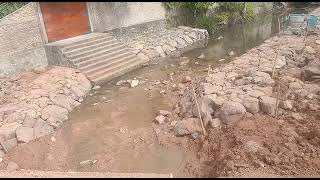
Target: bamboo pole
195	98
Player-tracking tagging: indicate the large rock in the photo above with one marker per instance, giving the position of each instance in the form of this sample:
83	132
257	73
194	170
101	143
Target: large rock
64	102
160	51
268	105
311	72
10	144
310	50
54	111
8	130
231	112
217	101
24	134
208	88
251	104
187	126
12	167
41	128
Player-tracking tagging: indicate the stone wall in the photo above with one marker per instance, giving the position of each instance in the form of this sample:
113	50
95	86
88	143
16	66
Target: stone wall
106	16
21	46
165	42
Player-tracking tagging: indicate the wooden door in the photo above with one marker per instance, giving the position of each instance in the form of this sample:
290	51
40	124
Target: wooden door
64	20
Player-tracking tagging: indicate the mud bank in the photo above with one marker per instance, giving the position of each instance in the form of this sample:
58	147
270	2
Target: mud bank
260	112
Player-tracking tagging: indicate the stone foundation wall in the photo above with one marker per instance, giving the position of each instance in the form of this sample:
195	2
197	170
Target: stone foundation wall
21	46
165	42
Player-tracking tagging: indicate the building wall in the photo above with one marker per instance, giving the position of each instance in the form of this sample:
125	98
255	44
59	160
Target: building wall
105	16
22	41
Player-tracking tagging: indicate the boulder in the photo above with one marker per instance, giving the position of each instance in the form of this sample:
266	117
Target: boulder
64	102
8	130
286	105
311	72
24	134
268	105
231	112
143	57
10	144
55	112
208	88
160	51
187	126
42	128
251	104
310	50
217	101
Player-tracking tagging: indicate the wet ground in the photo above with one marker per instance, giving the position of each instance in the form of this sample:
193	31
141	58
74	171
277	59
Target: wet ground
114	126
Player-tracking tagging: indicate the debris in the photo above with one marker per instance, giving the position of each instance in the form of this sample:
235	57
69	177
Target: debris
134	83
160	119
202	56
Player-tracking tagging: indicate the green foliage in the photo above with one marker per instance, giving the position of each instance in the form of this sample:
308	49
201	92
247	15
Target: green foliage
9	7
224	12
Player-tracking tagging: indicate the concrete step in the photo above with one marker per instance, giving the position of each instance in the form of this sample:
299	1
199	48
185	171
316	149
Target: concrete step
115	71
84	44
87	47
78	40
101	57
96	50
97	54
107	64
101	61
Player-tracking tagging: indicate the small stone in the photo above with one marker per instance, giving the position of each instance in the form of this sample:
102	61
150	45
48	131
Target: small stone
220	37
252	146
317	41
53	139
195	135
296	116
222	60
215	123
160	119
94	104
231	53
196	62
173	123
121	82
12	167
187	126
39	70
96	87
286	105
134	83
86	162
186	79
202	56
80	99
165	113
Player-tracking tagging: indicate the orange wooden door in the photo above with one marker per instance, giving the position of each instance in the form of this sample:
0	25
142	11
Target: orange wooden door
64	20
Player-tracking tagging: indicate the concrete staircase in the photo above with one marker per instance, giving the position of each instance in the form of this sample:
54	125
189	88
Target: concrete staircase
98	55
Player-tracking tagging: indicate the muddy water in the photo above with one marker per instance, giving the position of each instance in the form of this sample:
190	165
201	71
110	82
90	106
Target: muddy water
94	126
114	124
